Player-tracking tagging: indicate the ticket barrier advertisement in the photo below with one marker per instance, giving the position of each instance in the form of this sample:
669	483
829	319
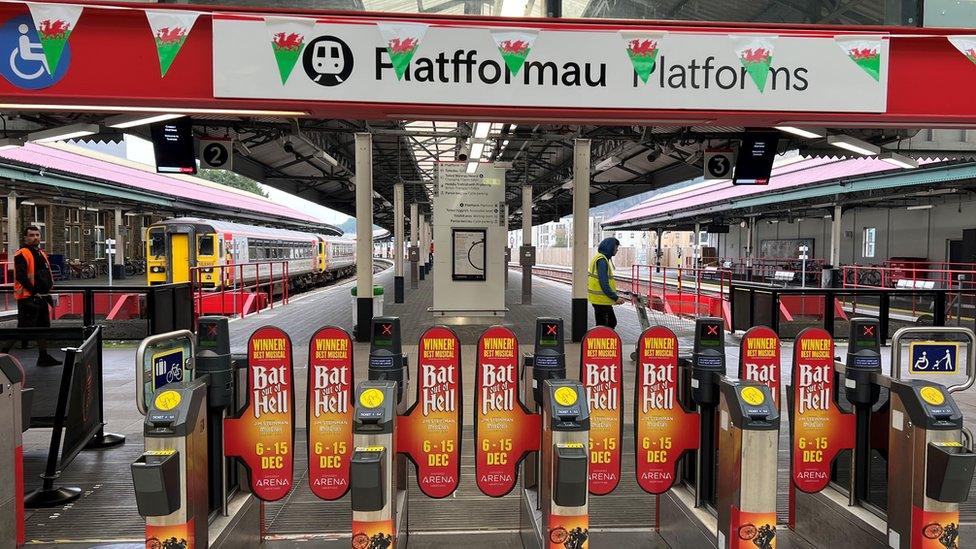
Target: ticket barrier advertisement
378	507
11	452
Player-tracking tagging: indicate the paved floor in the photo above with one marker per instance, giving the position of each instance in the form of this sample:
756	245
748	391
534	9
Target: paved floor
106	510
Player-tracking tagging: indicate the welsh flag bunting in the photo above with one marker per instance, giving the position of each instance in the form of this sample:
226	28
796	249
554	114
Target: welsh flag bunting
966	46
756	55
287	36
514	45
863	50
402	41
642	48
170	29
54	24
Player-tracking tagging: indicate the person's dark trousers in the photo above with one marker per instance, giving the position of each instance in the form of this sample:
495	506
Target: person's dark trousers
605	316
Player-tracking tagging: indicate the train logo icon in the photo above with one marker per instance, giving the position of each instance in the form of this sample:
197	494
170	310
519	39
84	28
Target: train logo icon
327	61
22	60
938	357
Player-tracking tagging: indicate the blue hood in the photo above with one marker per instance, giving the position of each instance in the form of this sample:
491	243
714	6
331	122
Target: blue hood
608	246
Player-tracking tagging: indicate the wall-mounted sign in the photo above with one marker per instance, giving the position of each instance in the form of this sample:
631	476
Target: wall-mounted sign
329	412
469	253
601	371
263	436
430	432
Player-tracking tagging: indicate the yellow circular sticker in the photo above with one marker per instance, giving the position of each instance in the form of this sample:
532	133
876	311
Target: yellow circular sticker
565	396
371	398
167	400
752	396
932	395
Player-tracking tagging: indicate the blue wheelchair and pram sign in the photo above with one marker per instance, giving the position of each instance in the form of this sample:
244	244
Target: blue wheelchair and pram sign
934	357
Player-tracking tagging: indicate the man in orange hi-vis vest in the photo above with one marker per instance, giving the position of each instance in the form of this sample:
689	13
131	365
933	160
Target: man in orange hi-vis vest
32	286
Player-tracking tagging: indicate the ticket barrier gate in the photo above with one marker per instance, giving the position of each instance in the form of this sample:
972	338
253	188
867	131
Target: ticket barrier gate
928	468
728	498
13	417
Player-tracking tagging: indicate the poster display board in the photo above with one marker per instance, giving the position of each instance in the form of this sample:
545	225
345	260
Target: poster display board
601	371
329	412
759	359
263	435
468	254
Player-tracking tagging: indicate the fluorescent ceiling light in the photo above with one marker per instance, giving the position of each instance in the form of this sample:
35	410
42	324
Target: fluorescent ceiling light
126	108
472	167
476	150
328	158
899	160
71	131
852	144
608	163
568	185
11	143
481	130
809	133
921	207
124	121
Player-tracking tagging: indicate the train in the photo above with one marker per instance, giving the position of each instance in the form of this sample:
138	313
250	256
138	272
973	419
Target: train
175	245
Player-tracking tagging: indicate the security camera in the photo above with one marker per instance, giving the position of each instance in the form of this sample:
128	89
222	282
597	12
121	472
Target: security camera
288	146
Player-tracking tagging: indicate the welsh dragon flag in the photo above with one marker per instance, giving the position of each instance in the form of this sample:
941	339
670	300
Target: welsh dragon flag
756	55
865	51
54	24
966	46
170	29
643	49
514	45
287	36
402	41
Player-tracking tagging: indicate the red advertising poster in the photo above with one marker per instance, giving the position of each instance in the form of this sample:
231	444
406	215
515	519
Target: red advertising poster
430	432
264	434
601	371
934	530
752	530
329	409
759	359
663	430
819	429
569	532
372	534
505	431
174	535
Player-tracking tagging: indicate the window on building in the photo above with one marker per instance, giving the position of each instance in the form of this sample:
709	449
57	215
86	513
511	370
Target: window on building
38	216
100	235
870	234
72	233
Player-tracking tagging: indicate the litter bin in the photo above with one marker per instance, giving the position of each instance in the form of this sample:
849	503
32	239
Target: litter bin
377	304
118	272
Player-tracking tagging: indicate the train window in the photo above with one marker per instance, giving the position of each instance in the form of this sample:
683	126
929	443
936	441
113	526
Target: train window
157	242
205	245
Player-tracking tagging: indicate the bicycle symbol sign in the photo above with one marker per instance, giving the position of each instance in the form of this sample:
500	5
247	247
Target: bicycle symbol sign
22	60
167	367
940	357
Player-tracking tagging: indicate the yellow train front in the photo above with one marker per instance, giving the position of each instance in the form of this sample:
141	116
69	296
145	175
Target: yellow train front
216	254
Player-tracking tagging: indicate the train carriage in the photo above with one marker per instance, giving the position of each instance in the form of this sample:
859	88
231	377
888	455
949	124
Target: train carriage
225	251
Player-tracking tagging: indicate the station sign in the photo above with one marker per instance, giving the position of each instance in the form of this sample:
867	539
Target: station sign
934	357
505	431
263	435
663	429
329	412
430	431
820	430
759	359
216	153
601	371
718	163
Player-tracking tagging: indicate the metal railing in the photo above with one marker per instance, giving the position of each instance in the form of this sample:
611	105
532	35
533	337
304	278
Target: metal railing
221	289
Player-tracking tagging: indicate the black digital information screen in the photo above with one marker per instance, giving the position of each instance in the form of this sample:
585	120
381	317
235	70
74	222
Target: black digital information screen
173	146
754	163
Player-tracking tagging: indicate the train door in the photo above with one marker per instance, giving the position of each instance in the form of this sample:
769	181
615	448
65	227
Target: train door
179	246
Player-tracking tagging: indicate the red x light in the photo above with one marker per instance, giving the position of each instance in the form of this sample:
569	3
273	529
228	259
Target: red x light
868	330
387	329
550	329
712	329
212	330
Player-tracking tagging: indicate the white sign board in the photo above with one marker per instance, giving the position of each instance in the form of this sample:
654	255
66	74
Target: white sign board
216	153
460	64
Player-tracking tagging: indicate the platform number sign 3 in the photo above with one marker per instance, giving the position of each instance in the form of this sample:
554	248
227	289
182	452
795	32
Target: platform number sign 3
718	164
217	154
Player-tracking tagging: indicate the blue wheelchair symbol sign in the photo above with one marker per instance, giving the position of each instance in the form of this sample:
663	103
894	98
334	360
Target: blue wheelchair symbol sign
934	357
22	60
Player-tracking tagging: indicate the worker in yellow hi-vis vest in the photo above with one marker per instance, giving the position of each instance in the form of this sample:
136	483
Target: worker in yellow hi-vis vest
601	287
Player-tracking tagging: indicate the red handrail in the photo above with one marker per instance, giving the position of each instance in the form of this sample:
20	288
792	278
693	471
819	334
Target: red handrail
232	278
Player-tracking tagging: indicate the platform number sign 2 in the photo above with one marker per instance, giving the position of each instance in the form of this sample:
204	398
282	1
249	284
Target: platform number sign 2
718	164
217	153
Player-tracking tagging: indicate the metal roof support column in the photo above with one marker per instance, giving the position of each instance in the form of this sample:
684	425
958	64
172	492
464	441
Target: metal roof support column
749	233
414	244
364	236
398	243
581	233
527	253
835	234
13	235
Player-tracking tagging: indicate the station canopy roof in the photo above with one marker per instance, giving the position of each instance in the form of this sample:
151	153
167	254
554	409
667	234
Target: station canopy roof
65	170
